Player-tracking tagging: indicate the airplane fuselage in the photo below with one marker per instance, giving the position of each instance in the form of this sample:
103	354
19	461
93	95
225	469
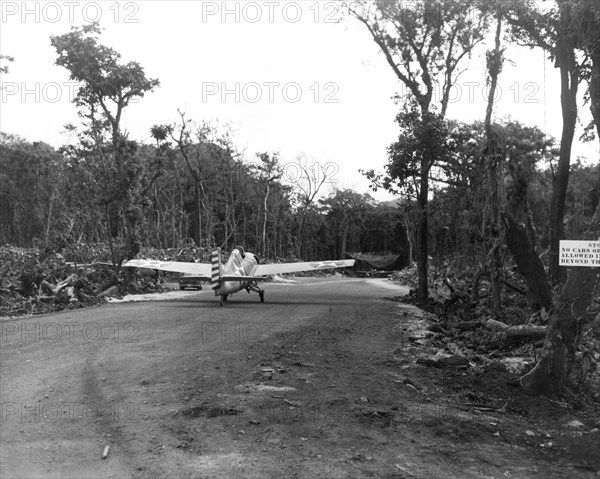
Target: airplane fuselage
230	287
237	264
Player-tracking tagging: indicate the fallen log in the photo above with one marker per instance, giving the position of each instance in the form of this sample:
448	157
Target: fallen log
429	362
436	328
524	331
465	325
42	297
515	288
496	325
454	360
112	291
87	297
69	281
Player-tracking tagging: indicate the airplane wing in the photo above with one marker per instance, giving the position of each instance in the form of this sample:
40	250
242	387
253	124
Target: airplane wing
201	270
233	277
279	268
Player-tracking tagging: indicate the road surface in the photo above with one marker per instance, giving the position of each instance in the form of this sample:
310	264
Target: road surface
320	381
75	382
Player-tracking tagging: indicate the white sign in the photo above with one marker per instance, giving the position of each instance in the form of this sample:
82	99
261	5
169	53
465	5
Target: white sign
580	253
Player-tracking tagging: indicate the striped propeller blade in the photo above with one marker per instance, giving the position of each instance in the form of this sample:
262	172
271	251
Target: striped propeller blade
215	262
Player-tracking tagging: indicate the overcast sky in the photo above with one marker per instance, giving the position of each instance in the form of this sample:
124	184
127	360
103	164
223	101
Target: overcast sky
289	76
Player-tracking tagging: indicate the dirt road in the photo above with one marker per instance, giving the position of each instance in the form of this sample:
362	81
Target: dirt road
315	382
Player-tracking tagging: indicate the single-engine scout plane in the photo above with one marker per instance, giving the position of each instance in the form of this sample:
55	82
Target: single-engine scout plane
242	270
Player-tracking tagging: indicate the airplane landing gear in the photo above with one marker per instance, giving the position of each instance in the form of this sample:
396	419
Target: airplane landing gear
223	298
256	289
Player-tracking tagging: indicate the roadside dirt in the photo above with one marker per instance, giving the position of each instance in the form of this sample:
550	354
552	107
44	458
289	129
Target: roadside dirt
339	395
361	407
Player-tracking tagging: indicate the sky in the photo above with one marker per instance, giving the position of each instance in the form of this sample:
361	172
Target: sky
297	78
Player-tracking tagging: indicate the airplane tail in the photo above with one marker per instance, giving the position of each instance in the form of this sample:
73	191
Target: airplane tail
216	265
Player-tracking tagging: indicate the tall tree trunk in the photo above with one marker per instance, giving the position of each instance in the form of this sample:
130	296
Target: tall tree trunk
264	226
569	82
422	265
226	239
273	251
49	218
595	92
125	204
199	232
409	234
234	224
257	224
553	371
244	230
560	182
493	159
344	239
520	238
110	235
299	237
528	262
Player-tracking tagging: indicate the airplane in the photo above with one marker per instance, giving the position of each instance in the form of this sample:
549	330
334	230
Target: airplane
242	270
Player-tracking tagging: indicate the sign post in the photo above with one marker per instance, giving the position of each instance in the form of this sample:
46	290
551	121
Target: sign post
579	253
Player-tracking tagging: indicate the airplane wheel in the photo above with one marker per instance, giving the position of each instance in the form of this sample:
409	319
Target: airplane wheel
221	301
262	296
224	297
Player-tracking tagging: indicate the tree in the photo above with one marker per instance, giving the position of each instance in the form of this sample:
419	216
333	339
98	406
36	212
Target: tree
269	171
524	147
172	192
348	212
26	195
311	177
586	15
557	32
184	142
493	158
553	371
106	88
423	43
4	68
